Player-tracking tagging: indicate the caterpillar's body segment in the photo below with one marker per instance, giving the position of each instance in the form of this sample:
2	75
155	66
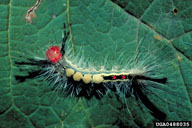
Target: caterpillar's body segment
70	79
99	77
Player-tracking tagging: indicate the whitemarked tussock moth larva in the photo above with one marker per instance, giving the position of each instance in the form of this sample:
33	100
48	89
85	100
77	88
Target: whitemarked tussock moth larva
67	77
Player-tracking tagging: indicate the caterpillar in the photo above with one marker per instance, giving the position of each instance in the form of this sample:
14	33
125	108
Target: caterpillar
71	80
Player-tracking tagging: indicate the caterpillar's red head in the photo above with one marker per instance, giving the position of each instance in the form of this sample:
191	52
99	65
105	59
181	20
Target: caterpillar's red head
53	54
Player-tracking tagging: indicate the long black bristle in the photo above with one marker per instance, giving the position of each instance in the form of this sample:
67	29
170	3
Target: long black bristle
140	77
65	36
34	62
31	75
153	109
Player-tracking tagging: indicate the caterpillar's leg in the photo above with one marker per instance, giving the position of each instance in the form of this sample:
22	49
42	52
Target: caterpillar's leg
64	39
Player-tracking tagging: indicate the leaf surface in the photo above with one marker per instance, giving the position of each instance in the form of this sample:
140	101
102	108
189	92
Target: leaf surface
103	29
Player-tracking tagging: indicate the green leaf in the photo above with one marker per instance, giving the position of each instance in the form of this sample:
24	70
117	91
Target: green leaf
102	28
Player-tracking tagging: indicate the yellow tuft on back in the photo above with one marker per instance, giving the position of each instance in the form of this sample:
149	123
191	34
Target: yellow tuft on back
87	78
77	76
69	72
97	79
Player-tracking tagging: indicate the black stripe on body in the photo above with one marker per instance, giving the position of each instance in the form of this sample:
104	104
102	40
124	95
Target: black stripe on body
138	77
